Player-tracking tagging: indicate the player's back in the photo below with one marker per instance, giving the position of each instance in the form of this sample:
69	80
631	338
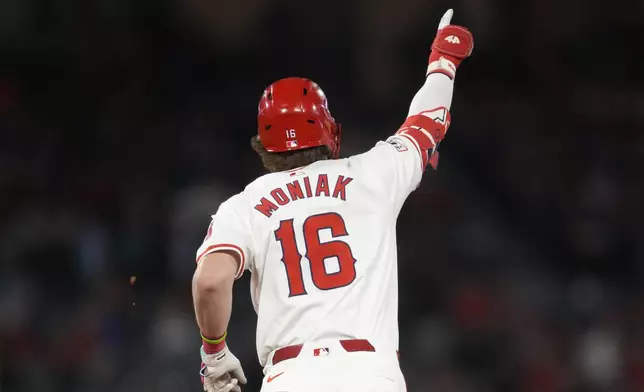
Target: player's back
324	257
320	240
320	244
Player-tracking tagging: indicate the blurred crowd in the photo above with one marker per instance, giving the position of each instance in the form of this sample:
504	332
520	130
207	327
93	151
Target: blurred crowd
125	124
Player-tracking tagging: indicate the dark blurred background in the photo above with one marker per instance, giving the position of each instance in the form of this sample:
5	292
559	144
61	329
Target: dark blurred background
125	123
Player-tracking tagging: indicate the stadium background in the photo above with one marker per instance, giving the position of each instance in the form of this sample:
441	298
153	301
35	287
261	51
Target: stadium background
125	123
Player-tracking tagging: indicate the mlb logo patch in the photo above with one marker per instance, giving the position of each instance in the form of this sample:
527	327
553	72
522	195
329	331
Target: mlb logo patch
320	352
291	143
398	145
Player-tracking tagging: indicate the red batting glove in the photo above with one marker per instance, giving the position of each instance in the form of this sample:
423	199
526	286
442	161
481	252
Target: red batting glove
452	45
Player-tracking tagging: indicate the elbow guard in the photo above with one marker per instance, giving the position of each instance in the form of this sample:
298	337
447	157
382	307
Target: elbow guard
426	129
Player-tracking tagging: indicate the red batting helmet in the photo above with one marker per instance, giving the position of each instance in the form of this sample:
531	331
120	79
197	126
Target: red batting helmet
293	115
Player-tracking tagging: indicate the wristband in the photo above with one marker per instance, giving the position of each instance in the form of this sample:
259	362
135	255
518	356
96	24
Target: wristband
214	341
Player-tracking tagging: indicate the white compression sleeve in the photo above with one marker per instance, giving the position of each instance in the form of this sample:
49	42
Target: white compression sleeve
437	91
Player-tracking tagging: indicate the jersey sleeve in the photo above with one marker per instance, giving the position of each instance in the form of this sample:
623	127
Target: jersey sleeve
394	167
230	230
399	163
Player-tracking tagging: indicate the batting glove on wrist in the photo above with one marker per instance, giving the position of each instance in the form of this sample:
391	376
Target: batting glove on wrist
452	45
221	371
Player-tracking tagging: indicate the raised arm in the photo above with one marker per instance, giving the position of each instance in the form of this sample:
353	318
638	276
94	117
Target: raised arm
428	118
396	167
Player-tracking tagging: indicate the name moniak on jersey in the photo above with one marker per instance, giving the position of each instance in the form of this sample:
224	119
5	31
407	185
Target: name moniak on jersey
303	189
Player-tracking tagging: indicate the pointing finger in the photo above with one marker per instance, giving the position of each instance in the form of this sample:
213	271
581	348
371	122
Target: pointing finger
446	19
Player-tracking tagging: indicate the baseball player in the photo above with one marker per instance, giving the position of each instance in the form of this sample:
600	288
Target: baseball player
318	235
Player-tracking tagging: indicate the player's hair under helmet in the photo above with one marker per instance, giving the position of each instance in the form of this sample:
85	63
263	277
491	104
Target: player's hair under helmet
293	115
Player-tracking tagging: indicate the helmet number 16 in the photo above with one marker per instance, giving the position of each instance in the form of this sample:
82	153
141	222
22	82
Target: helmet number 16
290	133
316	252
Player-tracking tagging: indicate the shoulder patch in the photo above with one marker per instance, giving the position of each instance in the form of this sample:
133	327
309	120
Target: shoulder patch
397	145
209	232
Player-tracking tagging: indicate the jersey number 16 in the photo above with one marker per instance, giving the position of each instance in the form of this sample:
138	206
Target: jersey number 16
316	253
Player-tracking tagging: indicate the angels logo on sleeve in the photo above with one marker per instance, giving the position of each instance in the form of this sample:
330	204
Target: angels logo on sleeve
209	233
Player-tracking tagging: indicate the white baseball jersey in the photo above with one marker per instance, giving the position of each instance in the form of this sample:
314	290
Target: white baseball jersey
320	242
